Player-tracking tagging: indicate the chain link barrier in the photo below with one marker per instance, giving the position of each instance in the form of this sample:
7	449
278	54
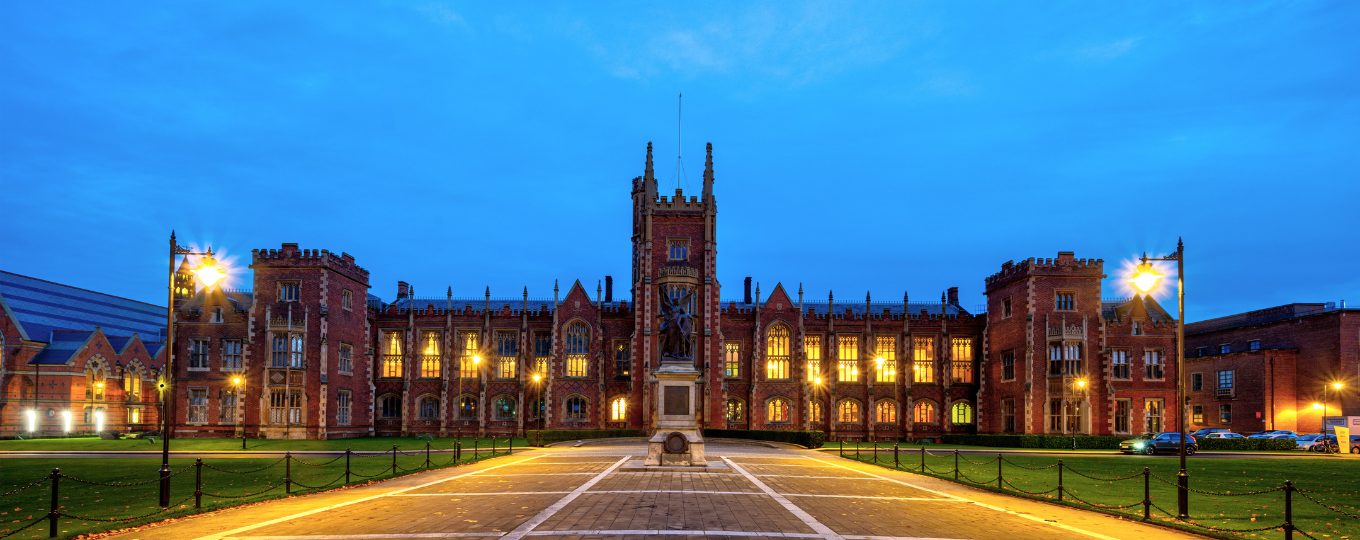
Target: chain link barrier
1030	468
988	462
252	471
1099	505
1215	493
1034	493
172	507
1324	505
300	484
44	479
126	484
25	527
1081	474
301	462
247	495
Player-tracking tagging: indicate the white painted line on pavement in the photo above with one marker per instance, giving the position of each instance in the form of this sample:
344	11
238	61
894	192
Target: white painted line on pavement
667	532
548	512
787	504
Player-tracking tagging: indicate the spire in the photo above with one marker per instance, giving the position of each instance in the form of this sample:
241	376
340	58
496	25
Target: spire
649	176
708	174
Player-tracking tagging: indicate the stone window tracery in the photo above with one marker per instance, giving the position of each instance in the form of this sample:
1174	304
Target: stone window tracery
777	352
777	410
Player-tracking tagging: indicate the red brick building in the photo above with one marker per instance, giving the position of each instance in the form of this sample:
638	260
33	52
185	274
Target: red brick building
1266	369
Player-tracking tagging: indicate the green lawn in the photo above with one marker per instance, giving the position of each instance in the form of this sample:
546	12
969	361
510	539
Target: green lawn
1095	481
85	444
138	504
912	447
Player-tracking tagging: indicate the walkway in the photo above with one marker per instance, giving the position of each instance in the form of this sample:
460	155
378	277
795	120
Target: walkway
576	492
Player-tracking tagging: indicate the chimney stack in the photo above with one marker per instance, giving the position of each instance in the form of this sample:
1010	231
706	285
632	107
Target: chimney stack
403	289
747	297
609	288
954	295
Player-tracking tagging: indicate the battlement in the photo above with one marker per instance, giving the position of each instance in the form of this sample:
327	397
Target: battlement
290	256
678	203
1066	264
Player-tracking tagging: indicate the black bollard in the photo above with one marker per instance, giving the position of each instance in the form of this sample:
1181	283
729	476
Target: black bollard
956	464
288	473
1060	488
1288	508
52	514
198	483
1147	494
394	460
427	454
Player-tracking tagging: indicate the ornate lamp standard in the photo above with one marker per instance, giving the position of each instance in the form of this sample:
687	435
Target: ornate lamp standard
239	383
1145	278
1326	447
209	274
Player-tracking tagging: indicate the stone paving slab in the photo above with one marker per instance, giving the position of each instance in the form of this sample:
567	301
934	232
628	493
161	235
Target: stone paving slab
675	482
407	515
863	486
501	484
678	511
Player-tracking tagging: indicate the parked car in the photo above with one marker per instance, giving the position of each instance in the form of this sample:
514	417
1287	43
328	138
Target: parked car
1223	435
1161	442
1306	442
1274	434
1355	444
1319	443
1202	432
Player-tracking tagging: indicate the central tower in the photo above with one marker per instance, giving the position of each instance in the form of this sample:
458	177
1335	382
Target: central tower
675	255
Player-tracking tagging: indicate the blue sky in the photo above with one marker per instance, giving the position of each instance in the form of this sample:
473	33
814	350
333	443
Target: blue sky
858	146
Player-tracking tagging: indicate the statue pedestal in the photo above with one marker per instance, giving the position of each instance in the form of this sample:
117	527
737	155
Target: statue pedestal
677	442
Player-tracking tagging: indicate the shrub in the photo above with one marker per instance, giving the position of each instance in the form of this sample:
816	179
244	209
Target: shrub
541	437
1246	444
809	439
1085	442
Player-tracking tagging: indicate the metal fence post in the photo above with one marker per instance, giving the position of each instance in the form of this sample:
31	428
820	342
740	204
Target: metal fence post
493	447
923	459
1288	507
427	454
394	460
198	483
856	450
842	443
347	452
897	463
511	451
476	447
956	464
1060	488
52	514
998	471
288	473
1147	493
458	451
165	486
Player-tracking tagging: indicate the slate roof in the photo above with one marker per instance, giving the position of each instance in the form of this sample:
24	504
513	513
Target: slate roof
41	307
63	345
876	308
1119	310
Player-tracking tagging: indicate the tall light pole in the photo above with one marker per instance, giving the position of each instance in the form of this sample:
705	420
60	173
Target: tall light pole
1325	447
538	404
207	272
238	382
1144	280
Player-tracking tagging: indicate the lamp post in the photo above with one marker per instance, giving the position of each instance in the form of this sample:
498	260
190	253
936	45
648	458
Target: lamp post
1145	278
1325	447
207	272
538	404
1081	383
476	359
239	383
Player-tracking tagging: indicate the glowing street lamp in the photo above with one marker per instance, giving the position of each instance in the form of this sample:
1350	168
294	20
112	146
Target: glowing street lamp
1145	279
1335	386
66	421
98	421
239	383
32	420
207	270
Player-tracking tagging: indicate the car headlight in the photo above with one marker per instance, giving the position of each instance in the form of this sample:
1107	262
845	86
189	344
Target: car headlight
1138	445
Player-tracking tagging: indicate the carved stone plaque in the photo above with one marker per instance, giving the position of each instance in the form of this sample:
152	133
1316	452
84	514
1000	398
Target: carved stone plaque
677	401
676	443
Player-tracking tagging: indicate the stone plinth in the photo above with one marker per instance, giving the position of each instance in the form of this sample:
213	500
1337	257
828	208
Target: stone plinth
677	442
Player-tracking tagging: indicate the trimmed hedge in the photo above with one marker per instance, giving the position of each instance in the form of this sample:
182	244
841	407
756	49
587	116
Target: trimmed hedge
541	437
809	439
1107	442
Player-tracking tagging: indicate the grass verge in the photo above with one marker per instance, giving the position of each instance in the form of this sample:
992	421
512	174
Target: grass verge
1240	494
365	444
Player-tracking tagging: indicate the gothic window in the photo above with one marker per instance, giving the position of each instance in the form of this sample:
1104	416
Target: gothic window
812	347
577	408
736	410
731	359
391	357
1072	356
429	408
344	402
923	359
132	383
777	352
467	408
1063	301
505	408
578	347
849	358
1152	362
923	412
816	411
1006	307
346	358
288	291
278	352
231	355
848	411
1119	360
198	354
429	354
1055	358
886	412
94	382
677	248
1123	413
347	300
622	367
1008	366
296	352
469	354
961	360
506	351
618	409
777	410
198	405
961	413
226	400
542	351
389	406
885	347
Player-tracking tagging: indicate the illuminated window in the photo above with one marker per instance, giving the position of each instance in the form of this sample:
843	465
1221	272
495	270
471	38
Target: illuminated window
231	355
1152	412
198	354
576	408
923	359
346	358
618	409
885	347
132	384
506	350
849	358
678	248
885	411
467	408
924	412
1072	355
389	406
961	360
1119	359
429	408
391	358
1197	414
622	366
505	408
812	346
777	352
296	352
848	411
288	291
198	405
429	355
736	410
469	348
731	359
578	346
1152	363
226	402
542	351
777	410
135	416
961	413
1063	301
344	402
816	412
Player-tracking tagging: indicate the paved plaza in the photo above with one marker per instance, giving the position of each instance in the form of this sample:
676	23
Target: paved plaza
566	492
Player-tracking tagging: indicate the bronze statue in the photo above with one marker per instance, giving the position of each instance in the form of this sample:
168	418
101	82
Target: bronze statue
676	327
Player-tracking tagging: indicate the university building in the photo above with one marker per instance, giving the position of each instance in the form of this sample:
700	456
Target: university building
311	352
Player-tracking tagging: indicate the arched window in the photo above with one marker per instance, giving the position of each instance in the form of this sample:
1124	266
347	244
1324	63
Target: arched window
886	411
467	408
429	407
736	410
777	410
578	346
505	408
618	409
924	412
388	406
816	411
777	352
848	411
132	382
576	408
961	413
